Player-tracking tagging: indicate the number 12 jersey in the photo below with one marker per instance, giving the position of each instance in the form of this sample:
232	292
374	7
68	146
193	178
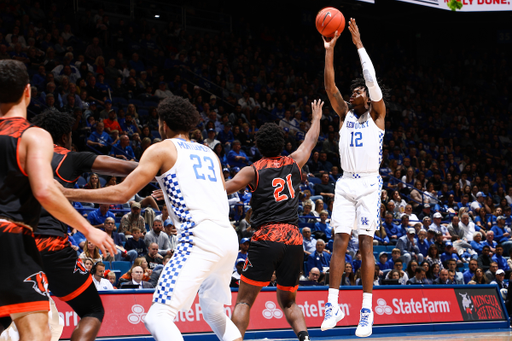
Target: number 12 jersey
275	197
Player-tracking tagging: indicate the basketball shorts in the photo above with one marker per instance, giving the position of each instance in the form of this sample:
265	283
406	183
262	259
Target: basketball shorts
67	276
24	285
203	262
274	247
357	203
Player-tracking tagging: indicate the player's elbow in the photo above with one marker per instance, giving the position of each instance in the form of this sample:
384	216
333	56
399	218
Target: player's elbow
44	193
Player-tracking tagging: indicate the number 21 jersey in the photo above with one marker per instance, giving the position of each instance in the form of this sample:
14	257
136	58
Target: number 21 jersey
275	197
360	144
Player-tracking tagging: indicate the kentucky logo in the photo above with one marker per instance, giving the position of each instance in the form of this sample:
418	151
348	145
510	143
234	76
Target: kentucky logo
40	283
364	221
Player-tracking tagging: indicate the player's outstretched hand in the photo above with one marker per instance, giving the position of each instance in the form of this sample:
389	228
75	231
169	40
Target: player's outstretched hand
329	43
158	194
317	106
354	31
101	240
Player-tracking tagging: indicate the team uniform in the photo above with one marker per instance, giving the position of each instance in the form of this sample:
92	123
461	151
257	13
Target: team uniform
207	244
24	285
277	243
357	194
67	276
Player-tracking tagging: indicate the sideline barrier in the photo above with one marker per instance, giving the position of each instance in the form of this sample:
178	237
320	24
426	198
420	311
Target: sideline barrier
405	308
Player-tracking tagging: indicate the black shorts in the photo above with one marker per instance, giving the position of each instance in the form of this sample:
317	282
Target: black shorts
24	285
66	273
265	256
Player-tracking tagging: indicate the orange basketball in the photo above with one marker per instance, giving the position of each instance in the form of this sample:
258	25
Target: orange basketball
328	21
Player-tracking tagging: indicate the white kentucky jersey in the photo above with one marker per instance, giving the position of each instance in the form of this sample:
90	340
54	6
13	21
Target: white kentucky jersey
194	188
360	144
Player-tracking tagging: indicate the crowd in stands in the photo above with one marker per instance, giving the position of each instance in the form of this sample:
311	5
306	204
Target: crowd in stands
447	196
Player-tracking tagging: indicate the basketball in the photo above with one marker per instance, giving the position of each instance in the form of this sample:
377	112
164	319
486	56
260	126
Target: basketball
330	20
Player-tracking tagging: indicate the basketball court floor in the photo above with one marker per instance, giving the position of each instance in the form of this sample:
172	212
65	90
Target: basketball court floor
427	336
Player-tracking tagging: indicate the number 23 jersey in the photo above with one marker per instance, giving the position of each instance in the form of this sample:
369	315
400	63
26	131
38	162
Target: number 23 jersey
275	197
360	144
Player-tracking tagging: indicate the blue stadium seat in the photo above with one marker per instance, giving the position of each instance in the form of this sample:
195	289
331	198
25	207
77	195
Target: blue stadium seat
119	100
122	266
379	248
107	265
156	134
81	182
136	102
314	180
149	104
143	112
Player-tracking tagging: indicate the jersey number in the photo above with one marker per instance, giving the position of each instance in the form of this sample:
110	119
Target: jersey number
279	184
200	174
359	137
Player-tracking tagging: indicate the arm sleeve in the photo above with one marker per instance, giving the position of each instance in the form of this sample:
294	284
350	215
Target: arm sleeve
369	75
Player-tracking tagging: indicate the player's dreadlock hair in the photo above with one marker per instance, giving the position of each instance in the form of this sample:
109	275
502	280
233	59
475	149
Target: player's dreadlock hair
179	114
270	140
360	82
55	122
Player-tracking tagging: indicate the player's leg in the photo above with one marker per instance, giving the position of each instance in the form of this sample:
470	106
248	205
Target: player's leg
288	272
159	322
32	326
247	294
71	282
343	216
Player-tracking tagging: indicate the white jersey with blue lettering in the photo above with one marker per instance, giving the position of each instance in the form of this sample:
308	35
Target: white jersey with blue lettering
360	144
193	187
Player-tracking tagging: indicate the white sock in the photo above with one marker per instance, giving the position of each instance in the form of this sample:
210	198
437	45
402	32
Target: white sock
333	296
367	300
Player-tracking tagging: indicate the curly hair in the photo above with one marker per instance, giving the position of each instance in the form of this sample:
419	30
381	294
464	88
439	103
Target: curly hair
55	122
178	113
360	82
270	140
13	80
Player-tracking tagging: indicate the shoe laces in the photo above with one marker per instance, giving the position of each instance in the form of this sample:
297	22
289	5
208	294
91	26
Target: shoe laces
363	322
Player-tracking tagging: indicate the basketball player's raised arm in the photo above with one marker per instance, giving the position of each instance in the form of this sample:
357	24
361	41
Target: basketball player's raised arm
378	108
38	147
246	176
337	102
301	155
149	165
108	165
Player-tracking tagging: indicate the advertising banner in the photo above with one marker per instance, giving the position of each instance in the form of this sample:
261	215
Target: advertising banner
125	313
465	5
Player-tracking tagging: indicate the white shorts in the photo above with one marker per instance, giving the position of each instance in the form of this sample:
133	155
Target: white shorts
357	203
203	262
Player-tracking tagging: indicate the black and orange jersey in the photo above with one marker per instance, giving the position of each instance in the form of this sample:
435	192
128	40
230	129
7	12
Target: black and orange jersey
67	167
275	197
17	202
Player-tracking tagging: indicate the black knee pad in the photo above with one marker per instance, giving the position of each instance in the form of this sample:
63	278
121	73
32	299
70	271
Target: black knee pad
88	304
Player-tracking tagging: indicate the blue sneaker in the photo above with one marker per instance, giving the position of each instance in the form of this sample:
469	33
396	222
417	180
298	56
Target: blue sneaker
333	315
364	328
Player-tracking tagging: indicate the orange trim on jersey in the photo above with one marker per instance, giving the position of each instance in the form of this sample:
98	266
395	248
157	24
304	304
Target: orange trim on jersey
53	243
257	179
17	308
290	289
62	151
255	283
18	157
78	291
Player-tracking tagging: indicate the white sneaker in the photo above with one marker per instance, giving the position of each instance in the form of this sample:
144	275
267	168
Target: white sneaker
364	328
333	315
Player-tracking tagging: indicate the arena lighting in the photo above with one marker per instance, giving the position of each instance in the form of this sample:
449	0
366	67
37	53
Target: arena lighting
157	15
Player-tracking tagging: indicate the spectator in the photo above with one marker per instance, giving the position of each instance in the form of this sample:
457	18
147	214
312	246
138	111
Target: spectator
489	241
236	156
98	216
500	279
452	266
383	261
137	274
319	259
325	188
110	227
322	227
156	235
419	277
499	259
477	244
100	139
152	257
91	251
450	253
162	91
132	219
491	273
123	150
313	277
443	277
484	260
438	226
470	273
136	243
433	256
111	277
393	231
398	267
479	277
408	248
93	51
422	242
309	243
348	277
244	248
100	283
